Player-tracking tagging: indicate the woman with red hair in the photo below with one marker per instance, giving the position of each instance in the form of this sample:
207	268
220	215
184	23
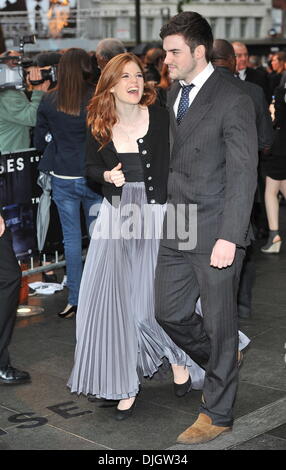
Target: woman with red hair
118	339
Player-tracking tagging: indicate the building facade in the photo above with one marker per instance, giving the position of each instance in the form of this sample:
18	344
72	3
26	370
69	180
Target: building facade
88	21
117	18
236	19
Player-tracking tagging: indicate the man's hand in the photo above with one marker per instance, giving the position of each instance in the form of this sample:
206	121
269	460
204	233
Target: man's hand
2	226
223	254
34	75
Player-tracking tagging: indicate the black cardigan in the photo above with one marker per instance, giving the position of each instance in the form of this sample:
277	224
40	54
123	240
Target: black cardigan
154	152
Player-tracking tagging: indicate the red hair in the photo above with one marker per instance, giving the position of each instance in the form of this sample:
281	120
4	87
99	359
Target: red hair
101	115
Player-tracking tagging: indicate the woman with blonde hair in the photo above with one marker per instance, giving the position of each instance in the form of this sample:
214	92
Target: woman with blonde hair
118	339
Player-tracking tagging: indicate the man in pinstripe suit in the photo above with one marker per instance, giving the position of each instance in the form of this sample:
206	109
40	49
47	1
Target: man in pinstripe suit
212	168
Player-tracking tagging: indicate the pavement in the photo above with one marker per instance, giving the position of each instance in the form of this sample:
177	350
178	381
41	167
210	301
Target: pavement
44	415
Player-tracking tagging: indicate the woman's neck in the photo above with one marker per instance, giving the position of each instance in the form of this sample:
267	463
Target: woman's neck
129	115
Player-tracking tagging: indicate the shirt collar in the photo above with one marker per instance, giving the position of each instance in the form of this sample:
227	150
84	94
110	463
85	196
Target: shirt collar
201	78
242	73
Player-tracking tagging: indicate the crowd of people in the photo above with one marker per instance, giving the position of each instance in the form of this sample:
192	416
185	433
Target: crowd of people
179	167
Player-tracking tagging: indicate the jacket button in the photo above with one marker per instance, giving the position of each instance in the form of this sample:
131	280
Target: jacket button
149	178
141	141
144	152
152	201
148	165
151	188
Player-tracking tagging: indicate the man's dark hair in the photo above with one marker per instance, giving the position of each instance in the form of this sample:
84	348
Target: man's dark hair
193	27
222	49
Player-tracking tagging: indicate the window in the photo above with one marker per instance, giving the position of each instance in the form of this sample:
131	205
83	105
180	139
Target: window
213	22
149	28
257	27
228	27
243	24
108	27
132	29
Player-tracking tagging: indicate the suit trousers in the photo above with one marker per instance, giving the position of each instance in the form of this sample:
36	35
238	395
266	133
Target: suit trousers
10	281
211	341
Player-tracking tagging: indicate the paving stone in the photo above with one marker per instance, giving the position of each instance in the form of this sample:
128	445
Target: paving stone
44	437
44	345
263	442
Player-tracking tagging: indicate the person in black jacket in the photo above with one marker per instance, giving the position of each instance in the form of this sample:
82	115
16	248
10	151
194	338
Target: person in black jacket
118	338
61	133
10	281
275	170
223	58
248	74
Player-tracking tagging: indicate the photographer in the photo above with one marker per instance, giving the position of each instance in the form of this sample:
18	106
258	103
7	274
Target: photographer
10	279
17	113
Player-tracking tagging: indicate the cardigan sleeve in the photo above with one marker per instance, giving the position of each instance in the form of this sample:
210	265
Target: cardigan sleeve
94	164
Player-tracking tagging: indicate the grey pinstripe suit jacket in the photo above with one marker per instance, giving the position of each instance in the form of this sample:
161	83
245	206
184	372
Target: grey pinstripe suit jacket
213	163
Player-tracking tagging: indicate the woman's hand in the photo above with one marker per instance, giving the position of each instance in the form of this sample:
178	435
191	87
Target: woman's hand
2	226
115	176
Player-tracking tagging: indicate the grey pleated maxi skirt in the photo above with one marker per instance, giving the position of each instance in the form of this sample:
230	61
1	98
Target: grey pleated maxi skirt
118	339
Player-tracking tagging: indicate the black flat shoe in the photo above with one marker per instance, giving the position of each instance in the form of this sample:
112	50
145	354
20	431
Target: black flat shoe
11	376
120	415
181	390
102	402
68	312
50	277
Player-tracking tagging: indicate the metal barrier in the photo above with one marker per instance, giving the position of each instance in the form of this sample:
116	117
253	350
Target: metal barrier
46	266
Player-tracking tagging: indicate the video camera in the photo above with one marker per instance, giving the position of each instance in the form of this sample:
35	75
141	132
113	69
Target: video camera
13	68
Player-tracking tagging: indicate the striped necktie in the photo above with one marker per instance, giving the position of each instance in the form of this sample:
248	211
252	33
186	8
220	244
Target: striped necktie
184	102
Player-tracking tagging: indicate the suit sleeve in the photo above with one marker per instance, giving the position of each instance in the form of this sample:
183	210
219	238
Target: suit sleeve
241	158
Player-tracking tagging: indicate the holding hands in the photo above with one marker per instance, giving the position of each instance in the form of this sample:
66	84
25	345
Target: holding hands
115	176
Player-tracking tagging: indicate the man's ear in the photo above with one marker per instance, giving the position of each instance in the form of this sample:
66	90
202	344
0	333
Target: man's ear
200	52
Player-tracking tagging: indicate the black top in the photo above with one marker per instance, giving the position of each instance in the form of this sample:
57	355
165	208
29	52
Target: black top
131	167
279	144
64	151
154	158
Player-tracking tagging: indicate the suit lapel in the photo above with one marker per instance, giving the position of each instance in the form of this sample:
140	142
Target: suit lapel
196	112
173	93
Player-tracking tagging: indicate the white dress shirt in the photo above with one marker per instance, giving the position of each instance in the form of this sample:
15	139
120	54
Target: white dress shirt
198	81
242	74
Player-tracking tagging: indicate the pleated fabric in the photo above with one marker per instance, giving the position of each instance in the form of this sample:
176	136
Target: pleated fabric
118	339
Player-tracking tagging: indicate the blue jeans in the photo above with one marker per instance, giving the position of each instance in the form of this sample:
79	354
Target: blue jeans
68	195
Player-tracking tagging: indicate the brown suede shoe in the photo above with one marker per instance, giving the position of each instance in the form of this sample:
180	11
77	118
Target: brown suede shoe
201	431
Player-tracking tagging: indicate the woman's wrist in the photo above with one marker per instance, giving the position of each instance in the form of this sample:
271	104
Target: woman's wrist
106	176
